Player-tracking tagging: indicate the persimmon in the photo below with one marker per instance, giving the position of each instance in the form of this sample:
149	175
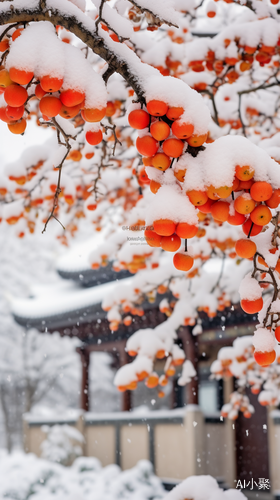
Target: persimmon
220	210
4	45
21	76
174	112
173	147
72	97
250	227
262	262
274	200
94	138
143	179
160	130
92	206
152	381
161	353
244	204
152	238
212	193
185	230
164	227
277	333
245	248
39	92
197	198
197	140
141	375
147	145
261	191
138	119
224	191
182	130
16	33
246	184
17	127
15	95
183	261
261	215
93	115
180	174
68	113
206	208
132	385
252	306
170	243
5	79
157	108
154	186
264	358
161	161
147	161
51	83
14	113
110	109
50	106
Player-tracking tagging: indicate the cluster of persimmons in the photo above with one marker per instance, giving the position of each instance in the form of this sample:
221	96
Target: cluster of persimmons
54	98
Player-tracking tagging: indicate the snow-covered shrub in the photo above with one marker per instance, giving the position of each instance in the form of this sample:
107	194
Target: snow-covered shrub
61	444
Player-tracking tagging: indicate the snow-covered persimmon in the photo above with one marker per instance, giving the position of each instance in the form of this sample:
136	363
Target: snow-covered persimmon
252	306
264	358
174	112
94	137
197	198
156	107
92	114
185	230
244	204
21	76
182	130
164	227
51	83
72	97
244	172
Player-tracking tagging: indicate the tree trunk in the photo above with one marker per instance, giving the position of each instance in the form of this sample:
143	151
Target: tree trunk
6	418
190	345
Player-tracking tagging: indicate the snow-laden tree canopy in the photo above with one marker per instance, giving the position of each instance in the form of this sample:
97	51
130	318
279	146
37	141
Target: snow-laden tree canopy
202	166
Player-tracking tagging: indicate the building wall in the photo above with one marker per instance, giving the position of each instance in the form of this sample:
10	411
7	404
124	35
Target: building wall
179	443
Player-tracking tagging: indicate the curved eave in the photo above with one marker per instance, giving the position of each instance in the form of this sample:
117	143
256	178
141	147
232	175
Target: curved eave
90	278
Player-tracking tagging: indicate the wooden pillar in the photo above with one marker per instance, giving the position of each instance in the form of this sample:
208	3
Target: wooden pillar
85	360
190	344
126	395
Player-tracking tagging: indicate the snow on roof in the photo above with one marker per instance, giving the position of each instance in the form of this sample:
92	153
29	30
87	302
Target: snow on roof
59	299
76	259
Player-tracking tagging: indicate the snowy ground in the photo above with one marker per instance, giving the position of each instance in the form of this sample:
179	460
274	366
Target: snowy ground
26	476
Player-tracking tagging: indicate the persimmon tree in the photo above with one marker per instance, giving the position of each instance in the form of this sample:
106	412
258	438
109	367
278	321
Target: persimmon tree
202	166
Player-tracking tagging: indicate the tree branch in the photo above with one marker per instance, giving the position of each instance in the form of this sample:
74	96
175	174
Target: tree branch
93	40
